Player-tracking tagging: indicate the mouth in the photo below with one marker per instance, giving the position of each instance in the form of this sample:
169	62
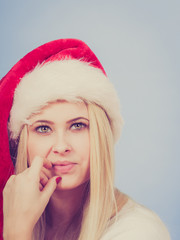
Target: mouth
63	167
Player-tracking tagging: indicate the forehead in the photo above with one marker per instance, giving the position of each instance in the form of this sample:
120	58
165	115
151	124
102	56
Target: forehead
61	110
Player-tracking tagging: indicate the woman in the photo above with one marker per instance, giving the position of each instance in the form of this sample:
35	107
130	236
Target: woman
63	120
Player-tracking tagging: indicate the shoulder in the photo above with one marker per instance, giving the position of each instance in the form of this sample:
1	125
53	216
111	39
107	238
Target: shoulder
135	222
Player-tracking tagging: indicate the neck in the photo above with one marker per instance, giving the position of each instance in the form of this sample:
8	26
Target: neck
66	206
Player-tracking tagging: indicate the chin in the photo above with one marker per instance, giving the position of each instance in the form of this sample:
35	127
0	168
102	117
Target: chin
66	186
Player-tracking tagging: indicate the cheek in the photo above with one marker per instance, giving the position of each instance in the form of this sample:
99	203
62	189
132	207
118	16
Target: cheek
37	147
82	146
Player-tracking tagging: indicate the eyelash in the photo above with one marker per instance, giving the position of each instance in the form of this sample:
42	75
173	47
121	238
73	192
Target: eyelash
40	130
82	125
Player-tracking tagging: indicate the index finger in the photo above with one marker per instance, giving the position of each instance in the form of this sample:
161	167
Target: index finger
36	167
47	164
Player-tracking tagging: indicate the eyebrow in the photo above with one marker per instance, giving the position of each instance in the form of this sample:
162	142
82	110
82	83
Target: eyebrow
78	118
50	122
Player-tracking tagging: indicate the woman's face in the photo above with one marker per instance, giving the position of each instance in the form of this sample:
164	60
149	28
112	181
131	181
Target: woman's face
60	134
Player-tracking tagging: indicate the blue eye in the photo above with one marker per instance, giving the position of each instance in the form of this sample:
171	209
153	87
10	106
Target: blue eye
43	129
78	126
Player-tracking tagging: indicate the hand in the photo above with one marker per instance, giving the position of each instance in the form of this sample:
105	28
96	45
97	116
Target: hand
24	203
45	174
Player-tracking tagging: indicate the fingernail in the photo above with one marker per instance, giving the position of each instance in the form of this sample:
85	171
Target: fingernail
58	179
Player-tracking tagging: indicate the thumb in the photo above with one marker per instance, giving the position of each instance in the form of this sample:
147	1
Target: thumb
50	188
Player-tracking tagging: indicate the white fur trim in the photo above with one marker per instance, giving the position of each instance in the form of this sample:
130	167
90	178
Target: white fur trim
70	80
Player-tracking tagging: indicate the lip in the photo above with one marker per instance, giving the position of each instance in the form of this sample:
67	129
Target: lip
63	167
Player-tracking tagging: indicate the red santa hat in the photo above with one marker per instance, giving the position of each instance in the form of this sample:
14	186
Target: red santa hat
63	69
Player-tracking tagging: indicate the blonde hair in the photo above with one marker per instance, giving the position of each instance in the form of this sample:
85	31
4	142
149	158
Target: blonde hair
100	204
101	199
21	159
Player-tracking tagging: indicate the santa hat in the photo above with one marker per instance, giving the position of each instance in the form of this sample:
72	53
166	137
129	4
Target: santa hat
63	69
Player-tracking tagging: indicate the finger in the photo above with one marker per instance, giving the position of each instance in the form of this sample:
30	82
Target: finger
36	167
43	179
40	187
47	164
50	188
45	175
47	172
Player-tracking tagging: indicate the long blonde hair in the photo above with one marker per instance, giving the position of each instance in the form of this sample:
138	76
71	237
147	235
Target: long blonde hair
101	202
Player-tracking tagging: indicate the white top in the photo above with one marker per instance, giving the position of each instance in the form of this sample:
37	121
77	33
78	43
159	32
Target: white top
135	222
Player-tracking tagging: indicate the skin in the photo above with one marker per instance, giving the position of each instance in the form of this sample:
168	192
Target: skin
61	133
58	134
18	195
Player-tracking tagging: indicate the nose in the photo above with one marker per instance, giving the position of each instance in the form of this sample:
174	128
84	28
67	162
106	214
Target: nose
61	145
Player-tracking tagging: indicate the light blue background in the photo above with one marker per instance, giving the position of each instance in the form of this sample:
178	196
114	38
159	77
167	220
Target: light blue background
138	44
